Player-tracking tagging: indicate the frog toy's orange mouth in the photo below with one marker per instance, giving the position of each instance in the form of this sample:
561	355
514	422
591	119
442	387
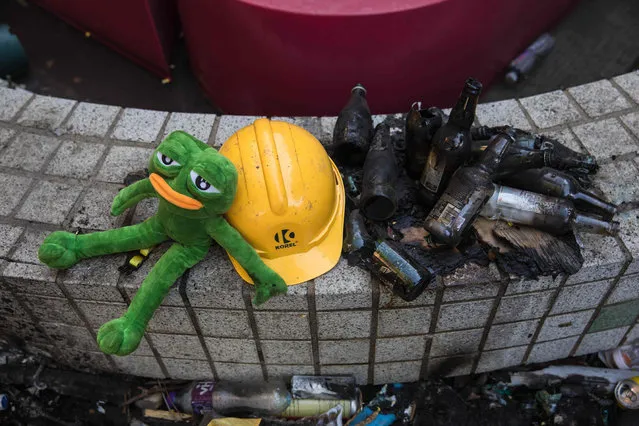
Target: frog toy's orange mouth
172	196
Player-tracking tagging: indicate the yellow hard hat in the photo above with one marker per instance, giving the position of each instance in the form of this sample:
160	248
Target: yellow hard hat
290	199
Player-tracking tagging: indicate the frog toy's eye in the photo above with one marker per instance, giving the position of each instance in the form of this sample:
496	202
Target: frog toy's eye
202	185
167	161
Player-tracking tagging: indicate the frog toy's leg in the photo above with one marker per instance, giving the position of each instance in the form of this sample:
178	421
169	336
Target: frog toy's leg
63	249
122	336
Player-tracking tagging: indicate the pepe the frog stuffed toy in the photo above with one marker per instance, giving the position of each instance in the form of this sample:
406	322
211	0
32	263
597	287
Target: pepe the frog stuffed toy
195	185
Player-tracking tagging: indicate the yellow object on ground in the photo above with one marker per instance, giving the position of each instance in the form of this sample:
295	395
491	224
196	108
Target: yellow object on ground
234	421
290	199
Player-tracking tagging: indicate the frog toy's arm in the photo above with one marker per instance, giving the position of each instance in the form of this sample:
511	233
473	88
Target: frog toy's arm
131	195
267	282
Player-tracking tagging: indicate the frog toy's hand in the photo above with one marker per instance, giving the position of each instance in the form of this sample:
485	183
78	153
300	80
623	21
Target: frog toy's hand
267	282
131	195
120	336
59	250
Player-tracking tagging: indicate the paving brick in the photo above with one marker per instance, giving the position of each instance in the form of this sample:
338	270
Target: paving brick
28	152
599	98
400	348
144	210
502	113
91	119
627	289
213	283
230	124
177	346
140	125
400	322
11	308
344	324
53	309
327	126
464	315
550	109
632	121
618	140
633	334
93	212
189	369
285	372
603	258
387	299
629	83
343	287
11	100
495	360
76	159
94	279
46	112
470	282
239	372
8	237
579	297
27	249
13	189
97	313
231	350
629	234
5	135
287	352
613	316
548	351
283	325
197	125
145	366
226	323
470	292
295	299
511	334
601	341
528	306
122	160
617	181
566	137
397	372
67	336
90	362
311	124
456	342
31	279
171	319
566	325
524	285
359	371
344	351
49	202
450	366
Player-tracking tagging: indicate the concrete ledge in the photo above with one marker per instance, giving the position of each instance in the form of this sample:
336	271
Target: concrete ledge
63	161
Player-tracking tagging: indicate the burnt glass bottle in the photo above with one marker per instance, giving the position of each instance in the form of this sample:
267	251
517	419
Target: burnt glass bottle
451	145
353	130
379	197
421	125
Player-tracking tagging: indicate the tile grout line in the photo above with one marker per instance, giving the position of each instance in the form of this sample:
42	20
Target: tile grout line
531	122
623	92
542	320
439	296
216	123
160	136
21	110
182	283
246	296
372	354
314	325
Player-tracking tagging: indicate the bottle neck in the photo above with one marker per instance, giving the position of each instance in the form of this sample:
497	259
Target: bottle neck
594	201
463	113
594	225
494	153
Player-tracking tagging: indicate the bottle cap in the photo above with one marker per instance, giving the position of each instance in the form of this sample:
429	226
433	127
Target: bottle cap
512	77
617	356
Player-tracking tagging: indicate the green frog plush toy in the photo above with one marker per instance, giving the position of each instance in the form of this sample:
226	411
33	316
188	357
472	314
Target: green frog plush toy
196	185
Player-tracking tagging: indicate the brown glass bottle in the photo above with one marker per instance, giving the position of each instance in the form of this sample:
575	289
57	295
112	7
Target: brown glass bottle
551	214
353	130
379	197
451	145
551	182
421	125
468	191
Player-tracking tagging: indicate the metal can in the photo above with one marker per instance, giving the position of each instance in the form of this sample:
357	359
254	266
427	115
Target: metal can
300	408
627	393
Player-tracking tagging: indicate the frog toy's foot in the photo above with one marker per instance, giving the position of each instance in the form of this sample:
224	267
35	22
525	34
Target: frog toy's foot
59	250
119	336
266	289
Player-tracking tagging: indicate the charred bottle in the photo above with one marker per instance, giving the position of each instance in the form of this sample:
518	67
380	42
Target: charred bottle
451	145
379	197
386	260
421	125
468	191
551	214
353	130
551	182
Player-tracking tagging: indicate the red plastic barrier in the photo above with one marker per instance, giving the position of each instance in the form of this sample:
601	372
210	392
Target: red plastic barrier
142	30
301	57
